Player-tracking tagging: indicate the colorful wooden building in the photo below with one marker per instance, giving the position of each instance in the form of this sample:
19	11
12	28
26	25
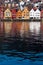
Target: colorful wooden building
25	13
19	14
9	5
37	14
13	4
1	13
41	13
7	13
13	13
31	13
5	5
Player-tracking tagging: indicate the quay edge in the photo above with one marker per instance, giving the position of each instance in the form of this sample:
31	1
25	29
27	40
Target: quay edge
21	20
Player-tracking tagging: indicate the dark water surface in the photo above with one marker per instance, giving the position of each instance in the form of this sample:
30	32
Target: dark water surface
9	55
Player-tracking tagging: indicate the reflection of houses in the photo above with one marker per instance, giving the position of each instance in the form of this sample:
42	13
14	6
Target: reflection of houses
1	29
7	14
35	27
7	27
41	28
24	31
13	31
25	13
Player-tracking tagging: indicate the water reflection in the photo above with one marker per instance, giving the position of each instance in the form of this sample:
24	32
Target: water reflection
21	28
35	27
20	51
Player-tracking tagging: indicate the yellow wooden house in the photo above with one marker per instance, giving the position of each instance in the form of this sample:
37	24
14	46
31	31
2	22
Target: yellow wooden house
7	14
25	13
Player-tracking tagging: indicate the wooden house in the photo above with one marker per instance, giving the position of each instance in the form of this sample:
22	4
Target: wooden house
25	13
31	13
1	13
37	14
41	14
7	14
9	5
13	4
5	5
19	14
13	13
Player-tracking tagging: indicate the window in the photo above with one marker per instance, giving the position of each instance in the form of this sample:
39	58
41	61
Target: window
8	14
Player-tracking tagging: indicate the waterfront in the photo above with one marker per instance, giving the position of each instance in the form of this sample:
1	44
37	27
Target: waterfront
22	28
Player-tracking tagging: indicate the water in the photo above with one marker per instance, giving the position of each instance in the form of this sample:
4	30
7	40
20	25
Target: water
24	52
9	55
21	58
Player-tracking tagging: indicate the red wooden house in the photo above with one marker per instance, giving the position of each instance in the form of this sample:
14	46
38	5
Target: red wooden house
1	13
13	13
41	13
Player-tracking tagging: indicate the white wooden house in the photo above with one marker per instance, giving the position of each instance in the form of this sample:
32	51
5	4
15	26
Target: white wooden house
37	14
31	14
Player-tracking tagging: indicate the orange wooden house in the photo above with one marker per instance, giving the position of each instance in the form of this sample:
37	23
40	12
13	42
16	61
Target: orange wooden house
19	14
25	13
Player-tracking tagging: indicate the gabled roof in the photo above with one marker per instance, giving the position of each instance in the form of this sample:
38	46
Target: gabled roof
37	10
32	10
7	10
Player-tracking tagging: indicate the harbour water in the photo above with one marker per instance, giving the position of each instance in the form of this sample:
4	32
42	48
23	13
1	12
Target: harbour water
15	51
11	56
